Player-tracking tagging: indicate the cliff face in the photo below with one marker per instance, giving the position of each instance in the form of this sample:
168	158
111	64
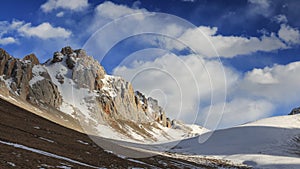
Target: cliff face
20	74
77	85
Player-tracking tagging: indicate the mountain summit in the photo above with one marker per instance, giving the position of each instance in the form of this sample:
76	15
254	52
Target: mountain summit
73	89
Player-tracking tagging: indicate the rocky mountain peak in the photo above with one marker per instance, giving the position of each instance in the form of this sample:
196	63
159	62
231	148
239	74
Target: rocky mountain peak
32	58
77	85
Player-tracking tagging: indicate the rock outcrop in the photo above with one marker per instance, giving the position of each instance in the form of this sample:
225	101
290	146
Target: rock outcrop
117	98
151	106
19	73
295	111
42	89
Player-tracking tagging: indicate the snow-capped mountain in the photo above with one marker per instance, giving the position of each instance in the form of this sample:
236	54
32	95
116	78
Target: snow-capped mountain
73	89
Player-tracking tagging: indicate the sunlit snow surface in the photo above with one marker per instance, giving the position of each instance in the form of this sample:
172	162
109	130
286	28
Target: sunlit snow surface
267	143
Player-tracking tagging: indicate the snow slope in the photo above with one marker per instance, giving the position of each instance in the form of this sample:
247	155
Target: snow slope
268	143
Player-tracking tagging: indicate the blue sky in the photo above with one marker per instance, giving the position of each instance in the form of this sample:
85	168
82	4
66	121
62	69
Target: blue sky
254	72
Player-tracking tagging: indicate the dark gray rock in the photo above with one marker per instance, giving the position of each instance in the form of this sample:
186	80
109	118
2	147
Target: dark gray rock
295	111
57	57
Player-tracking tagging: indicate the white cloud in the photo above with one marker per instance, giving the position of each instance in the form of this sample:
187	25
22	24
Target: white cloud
44	31
60	14
74	5
112	11
289	35
261	76
236	112
6	28
203	39
228	46
261	3
7	40
20	28
260	7
278	84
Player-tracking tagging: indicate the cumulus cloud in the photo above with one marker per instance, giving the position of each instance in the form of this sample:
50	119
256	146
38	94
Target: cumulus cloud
277	84
44	31
7	40
206	41
289	35
203	39
7	28
113	11
74	5
20	28
237	111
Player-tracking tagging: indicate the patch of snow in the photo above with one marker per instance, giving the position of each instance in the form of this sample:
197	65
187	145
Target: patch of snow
71	94
109	132
46	166
107	81
66	108
37	127
134	134
35	79
82	142
196	129
7	81
45	139
36	74
41	152
11	164
63	167
118	155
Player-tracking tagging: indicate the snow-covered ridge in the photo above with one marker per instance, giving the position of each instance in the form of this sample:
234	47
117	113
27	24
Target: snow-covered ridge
268	143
